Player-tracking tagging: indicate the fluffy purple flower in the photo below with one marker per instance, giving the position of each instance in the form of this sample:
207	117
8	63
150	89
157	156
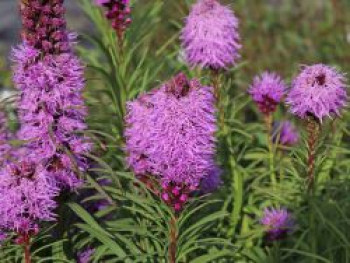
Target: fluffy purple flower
170	133
318	90
285	133
267	91
85	256
52	111
210	37
27	196
44	26
278	222
118	12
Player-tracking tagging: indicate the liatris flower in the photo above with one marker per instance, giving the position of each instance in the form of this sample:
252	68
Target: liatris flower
210	37
278	223
319	91
27	196
5	136
52	111
85	256
44	26
267	92
170	136
118	11
211	182
285	133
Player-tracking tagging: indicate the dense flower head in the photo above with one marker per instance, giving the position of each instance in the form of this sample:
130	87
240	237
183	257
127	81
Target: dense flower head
170	133
44	26
278	222
285	133
118	12
267	91
210	38
319	91
27	196
52	111
5	136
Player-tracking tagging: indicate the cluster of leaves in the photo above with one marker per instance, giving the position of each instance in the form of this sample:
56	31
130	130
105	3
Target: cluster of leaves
223	227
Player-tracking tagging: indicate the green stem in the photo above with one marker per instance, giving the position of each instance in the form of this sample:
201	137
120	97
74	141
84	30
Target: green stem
268	124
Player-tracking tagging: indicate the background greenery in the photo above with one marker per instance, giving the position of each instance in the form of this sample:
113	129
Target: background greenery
277	35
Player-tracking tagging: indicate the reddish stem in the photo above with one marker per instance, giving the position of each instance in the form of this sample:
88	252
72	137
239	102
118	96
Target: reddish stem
27	256
313	130
173	240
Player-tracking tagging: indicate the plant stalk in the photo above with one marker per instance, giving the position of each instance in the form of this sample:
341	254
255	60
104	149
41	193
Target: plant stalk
268	123
172	240
27	256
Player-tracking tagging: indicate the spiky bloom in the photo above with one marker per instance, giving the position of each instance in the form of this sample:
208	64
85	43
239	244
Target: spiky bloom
44	26
5	136
210	38
118	12
52	111
27	196
319	90
278	222
170	135
85	256
285	133
267	91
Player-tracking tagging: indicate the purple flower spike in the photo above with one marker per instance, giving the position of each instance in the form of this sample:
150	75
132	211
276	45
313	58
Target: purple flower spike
27	196
170	133
210	38
278	223
286	133
319	90
267	92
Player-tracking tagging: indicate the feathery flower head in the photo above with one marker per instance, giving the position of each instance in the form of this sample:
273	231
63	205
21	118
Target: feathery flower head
278	223
267	91
285	133
44	26
170	134
118	12
319	90
210	38
52	111
27	196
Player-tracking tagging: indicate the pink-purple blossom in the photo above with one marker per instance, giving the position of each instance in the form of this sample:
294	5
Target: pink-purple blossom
170	135
267	91
278	223
285	133
86	255
210	38
319	90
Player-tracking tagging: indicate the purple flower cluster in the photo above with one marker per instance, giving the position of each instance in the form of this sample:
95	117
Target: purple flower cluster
52	111
85	256
278	223
267	91
27	196
44	26
319	91
118	12
285	133
210	38
170	135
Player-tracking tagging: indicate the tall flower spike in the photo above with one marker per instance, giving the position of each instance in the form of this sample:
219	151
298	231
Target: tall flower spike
319	91
278	223
285	133
44	26
51	107
118	12
210	38
267	92
170	136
